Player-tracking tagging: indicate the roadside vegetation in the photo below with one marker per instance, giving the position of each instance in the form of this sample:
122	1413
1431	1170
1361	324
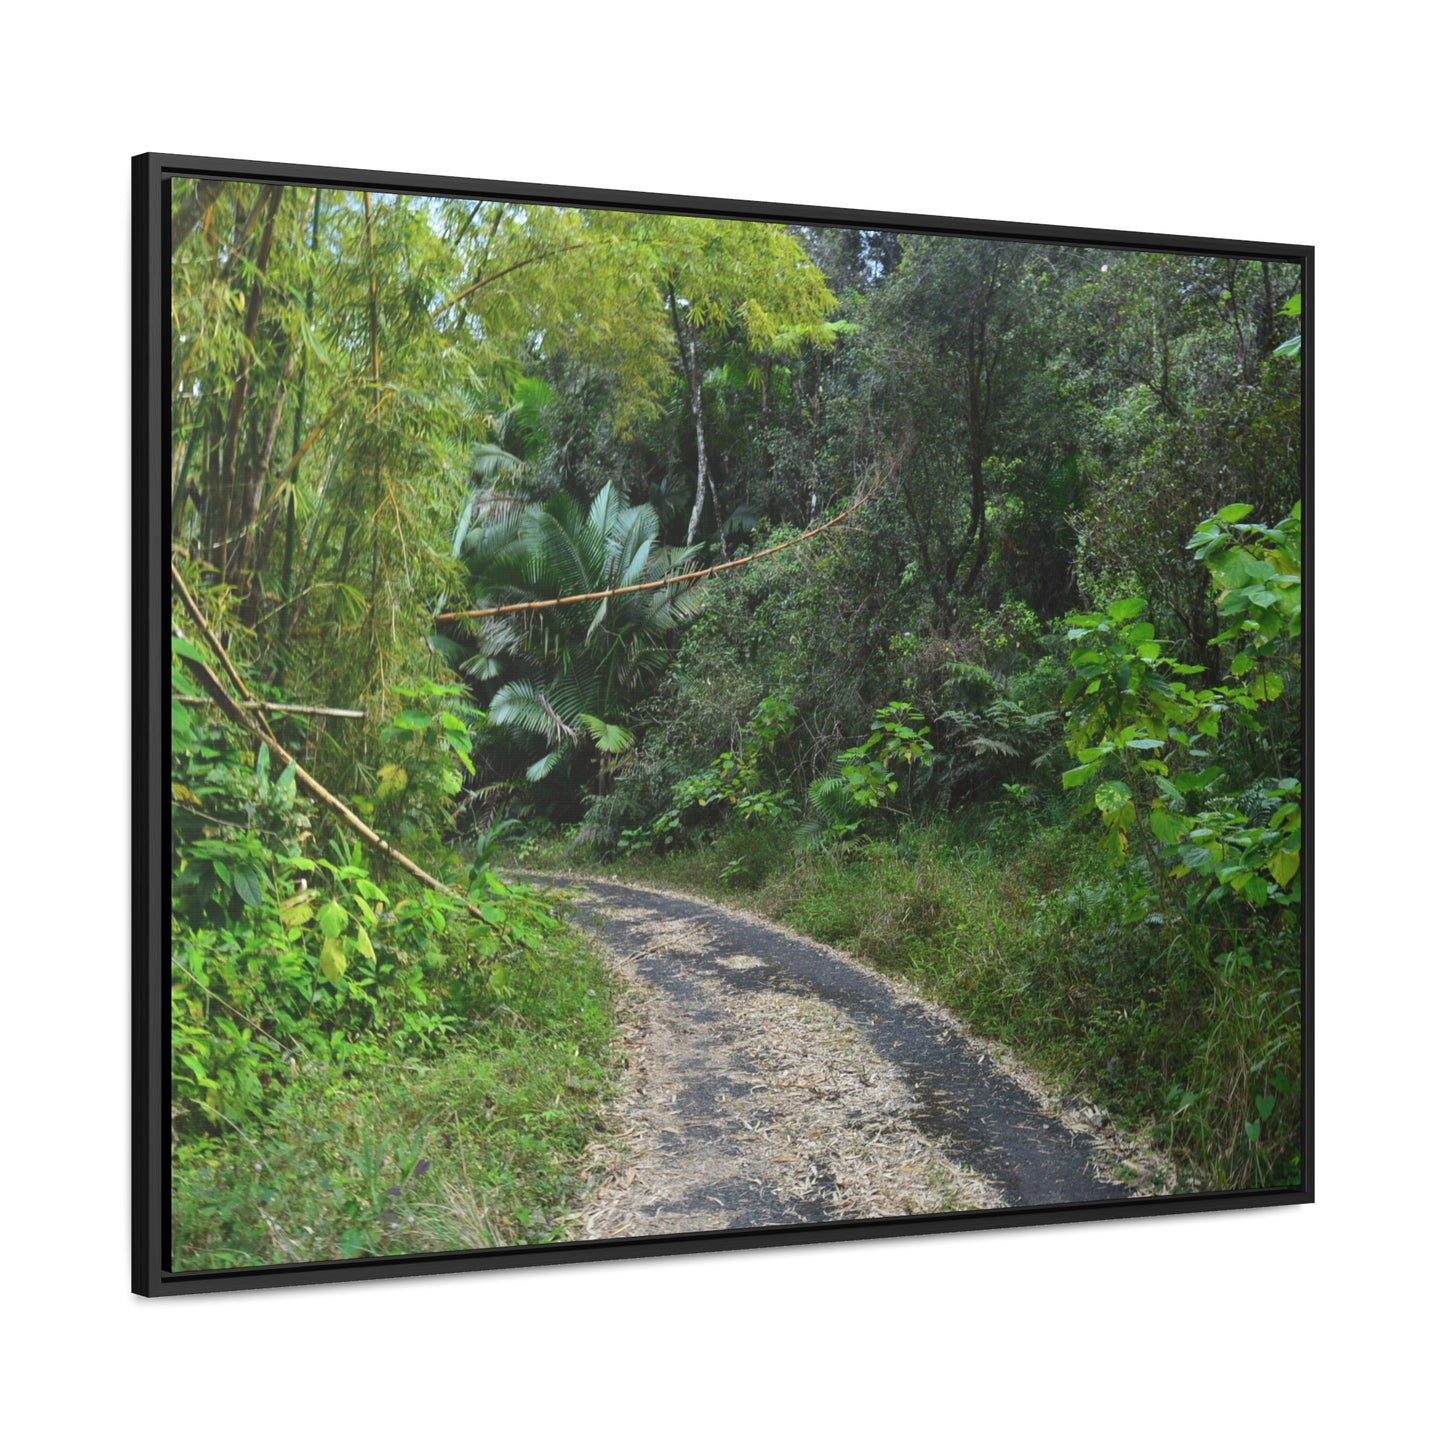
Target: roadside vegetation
941	598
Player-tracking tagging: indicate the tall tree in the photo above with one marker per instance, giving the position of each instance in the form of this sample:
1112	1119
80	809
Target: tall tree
947	346
721	280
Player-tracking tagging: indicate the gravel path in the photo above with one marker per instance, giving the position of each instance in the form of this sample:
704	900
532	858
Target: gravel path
775	1081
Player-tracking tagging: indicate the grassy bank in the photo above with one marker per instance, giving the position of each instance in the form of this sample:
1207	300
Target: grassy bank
474	1147
1026	944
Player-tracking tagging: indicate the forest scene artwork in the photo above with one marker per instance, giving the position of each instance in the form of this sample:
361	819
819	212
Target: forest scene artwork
683	725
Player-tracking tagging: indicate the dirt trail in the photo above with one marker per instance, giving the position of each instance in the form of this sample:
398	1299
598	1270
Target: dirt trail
775	1081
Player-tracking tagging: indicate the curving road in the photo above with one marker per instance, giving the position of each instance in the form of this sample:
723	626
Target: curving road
773	1080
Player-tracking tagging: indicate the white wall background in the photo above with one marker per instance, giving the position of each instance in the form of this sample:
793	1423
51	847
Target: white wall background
1262	121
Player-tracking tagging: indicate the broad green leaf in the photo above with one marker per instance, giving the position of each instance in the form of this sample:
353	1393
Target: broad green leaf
1292	306
333	959
1256	890
492	913
1167	827
1109	797
1289	349
1283	866
363	943
1238	568
1265	1104
332	919
1189	782
247	883
1252	1131
1235	512
413	720
1262	597
1129	607
460	748
1077	776
390	778
296	911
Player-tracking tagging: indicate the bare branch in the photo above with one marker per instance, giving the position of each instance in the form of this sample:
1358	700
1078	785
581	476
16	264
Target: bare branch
662	582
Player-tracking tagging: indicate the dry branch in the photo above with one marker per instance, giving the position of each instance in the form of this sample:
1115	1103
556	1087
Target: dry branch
277	707
662	582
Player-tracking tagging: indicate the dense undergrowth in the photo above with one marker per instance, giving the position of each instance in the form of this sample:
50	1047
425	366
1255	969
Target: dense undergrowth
359	1065
471	1148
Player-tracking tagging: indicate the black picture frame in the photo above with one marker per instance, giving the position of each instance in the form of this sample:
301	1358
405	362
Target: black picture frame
151	176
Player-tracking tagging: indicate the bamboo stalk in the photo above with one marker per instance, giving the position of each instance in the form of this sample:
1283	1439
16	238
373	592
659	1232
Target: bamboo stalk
663	582
260	706
199	617
214	689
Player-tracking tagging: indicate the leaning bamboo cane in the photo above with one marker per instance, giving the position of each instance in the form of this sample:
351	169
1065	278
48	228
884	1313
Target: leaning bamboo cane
295	707
663	582
214	689
212	641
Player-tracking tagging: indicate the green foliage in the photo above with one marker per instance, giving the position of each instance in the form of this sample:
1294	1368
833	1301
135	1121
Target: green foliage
1134	711
428	750
1183	410
740	781
303	971
472	1148
866	777
1223	849
565	675
1290	348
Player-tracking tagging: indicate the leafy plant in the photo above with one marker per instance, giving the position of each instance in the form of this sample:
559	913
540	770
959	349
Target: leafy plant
1134	711
568	674
867	775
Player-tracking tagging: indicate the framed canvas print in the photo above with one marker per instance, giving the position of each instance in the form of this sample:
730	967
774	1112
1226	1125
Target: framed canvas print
670	724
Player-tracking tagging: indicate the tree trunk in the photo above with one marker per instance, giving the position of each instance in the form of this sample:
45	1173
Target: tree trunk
231	448
687	354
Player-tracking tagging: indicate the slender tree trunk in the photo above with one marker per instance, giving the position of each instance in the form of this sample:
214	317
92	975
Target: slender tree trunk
298	422
687	352
253	555
230	450
373	326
